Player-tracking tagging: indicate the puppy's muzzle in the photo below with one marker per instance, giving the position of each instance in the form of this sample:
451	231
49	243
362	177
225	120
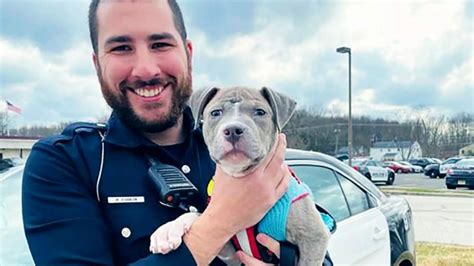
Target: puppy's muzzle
232	133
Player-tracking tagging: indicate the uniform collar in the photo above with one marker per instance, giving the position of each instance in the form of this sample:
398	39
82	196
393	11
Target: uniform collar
122	135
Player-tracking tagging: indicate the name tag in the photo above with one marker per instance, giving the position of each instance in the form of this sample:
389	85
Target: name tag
130	199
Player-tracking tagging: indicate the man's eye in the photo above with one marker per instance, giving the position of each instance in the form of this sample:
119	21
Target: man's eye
259	112
121	48
216	113
160	45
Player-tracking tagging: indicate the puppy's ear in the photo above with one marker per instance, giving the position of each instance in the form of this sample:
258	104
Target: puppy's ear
198	102
283	106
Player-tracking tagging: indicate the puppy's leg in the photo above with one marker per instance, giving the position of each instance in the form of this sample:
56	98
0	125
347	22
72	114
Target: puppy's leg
306	229
169	236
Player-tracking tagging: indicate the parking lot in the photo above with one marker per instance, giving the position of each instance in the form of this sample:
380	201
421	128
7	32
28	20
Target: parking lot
419	180
438	218
447	220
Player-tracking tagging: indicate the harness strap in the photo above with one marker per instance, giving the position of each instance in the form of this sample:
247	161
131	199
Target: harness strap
289	254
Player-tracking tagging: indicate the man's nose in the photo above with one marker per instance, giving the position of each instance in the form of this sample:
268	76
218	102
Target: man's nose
146	66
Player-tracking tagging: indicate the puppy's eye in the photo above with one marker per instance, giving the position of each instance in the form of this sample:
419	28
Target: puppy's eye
259	112
216	113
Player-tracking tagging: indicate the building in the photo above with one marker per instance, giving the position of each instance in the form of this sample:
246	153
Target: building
16	147
356	151
395	150
467	151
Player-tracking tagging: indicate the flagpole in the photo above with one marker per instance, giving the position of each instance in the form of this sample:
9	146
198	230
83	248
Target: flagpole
6	121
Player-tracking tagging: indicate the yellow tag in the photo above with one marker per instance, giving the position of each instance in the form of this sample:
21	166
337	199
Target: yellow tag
210	187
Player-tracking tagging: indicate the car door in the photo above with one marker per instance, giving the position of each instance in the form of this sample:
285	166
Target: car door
362	235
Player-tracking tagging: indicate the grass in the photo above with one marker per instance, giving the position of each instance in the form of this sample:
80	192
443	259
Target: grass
432	254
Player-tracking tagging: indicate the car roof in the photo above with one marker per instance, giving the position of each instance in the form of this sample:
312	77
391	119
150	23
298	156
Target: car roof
295	154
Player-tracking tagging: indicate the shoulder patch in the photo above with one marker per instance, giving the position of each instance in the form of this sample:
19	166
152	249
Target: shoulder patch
79	127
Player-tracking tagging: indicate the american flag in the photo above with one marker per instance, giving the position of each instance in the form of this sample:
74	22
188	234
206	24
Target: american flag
13	108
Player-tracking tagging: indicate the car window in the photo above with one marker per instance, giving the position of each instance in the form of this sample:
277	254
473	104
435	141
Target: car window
356	198
325	188
377	163
371	163
465	163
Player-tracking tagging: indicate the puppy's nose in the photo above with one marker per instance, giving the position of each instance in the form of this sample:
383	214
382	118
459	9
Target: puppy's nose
233	133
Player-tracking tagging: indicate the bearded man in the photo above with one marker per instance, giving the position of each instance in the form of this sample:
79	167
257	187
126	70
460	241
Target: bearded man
87	198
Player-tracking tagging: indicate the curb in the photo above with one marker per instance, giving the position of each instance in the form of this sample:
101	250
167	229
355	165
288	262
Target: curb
435	194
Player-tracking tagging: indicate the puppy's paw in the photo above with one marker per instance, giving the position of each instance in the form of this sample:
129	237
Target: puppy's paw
169	236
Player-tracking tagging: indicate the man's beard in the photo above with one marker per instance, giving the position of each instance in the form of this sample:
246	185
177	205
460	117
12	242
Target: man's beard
120	104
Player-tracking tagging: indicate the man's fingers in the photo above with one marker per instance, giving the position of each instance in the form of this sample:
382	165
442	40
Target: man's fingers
270	243
277	154
283	185
247	260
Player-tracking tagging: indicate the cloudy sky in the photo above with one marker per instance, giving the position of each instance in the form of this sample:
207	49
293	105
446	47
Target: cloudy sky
407	56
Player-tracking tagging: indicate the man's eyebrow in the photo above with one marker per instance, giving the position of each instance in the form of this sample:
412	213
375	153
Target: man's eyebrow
118	39
161	36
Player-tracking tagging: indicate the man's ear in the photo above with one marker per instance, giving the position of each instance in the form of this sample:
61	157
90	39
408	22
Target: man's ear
198	102
96	62
189	49
282	106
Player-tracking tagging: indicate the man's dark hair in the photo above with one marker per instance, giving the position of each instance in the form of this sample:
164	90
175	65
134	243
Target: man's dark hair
93	31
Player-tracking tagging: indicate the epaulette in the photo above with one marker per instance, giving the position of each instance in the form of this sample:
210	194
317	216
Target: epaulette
79	127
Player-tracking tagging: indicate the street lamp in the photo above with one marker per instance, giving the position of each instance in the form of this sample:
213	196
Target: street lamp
344	50
336	132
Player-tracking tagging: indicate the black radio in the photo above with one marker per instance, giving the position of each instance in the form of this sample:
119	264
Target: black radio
173	186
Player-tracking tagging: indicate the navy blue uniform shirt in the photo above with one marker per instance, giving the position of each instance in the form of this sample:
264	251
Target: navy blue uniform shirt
69	213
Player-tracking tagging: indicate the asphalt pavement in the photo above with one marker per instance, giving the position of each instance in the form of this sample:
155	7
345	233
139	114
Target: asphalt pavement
448	220
418	180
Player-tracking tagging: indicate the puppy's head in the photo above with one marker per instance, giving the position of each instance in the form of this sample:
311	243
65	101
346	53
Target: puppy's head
240	124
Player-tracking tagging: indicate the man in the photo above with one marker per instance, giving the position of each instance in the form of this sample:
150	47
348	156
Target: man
87	199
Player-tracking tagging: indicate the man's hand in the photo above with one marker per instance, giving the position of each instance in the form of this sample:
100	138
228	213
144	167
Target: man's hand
238	203
265	240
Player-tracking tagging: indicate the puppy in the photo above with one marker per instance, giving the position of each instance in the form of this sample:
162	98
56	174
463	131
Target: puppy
244	123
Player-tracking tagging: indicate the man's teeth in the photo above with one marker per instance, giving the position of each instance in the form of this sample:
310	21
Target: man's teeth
148	93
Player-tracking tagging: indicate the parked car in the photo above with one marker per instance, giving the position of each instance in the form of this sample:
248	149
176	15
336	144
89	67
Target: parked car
414	168
397	167
15	161
421	161
379	227
461	174
360	210
447	164
374	170
432	170
439	170
436	160
5	164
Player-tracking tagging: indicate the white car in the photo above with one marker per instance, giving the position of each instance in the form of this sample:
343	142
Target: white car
374	171
372	228
446	165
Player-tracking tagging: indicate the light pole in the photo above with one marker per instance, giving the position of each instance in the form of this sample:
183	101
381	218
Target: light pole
336	132
347	50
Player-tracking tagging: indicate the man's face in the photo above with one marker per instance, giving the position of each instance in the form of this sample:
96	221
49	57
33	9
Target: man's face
143	66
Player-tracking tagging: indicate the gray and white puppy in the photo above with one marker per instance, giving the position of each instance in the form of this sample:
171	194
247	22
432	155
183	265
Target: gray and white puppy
240	127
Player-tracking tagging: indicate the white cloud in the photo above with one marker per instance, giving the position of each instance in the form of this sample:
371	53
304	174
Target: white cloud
460	81
49	88
411	39
367	104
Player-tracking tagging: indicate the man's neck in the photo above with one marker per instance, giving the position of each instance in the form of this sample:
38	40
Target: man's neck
172	135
